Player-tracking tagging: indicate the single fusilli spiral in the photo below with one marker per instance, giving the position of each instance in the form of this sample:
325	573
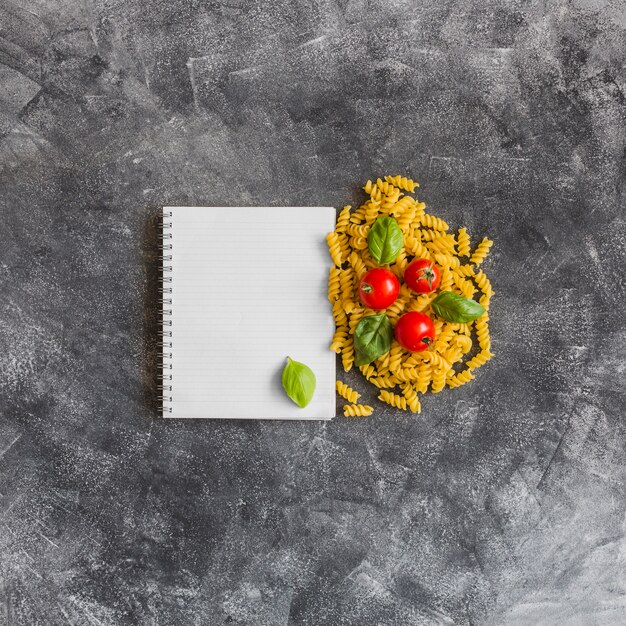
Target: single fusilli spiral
445	260
403	183
368	370
402	205
343	219
464	286
347	393
432	221
465	270
447	279
452	353
346	281
344	246
392	399
439	379
340	338
465	329
395	357
358	216
482	333
415	247
358	243
463	242
383	382
406	375
389	189
444	337
388	202
357	410
440	241
424	376
413	361
406	218
482	250
382	363
483	283
339	315
371	211
409	392
480	359
396	309
421	302
357	264
436	360
333	284
348	305
358	230
335	248
464	342
373	189
347	356
460	379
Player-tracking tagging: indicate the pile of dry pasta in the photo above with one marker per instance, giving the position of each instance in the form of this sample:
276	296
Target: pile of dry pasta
458	349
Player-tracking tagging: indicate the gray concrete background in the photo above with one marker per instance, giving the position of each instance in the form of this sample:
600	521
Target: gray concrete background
503	503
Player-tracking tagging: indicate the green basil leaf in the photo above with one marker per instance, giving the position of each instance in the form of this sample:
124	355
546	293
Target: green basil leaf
372	338
361	358
299	382
456	308
385	240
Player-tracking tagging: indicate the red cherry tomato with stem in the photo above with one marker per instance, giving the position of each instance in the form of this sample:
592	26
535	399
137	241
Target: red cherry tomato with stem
379	288
415	331
422	276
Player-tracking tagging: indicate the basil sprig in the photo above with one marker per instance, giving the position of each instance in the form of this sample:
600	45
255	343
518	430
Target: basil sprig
372	338
455	308
299	382
385	240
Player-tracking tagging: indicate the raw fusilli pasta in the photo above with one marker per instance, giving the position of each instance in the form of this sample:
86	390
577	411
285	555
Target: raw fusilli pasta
340	338
463	242
460	379
431	221
402	183
343	220
482	250
357	410
411	398
480	359
347	393
392	399
402	376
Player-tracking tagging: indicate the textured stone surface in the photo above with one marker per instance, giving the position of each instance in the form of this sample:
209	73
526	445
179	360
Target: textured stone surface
503	503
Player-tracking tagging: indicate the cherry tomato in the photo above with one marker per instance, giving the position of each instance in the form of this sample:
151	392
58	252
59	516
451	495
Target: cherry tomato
379	288
415	331
422	275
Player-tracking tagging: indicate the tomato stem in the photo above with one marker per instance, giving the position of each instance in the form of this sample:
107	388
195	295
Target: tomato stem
429	274
366	288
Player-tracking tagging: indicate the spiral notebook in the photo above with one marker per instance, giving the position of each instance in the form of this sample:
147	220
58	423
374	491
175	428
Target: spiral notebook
243	288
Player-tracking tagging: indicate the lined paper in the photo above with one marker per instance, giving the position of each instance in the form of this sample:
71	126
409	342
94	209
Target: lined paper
249	289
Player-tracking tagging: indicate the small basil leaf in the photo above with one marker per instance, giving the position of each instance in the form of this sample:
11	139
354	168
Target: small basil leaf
455	308
361	358
372	338
385	240
298	382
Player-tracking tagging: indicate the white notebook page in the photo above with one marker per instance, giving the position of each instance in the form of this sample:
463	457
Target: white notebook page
249	288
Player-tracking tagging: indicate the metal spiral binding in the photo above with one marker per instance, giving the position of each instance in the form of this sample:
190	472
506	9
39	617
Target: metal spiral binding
165	375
